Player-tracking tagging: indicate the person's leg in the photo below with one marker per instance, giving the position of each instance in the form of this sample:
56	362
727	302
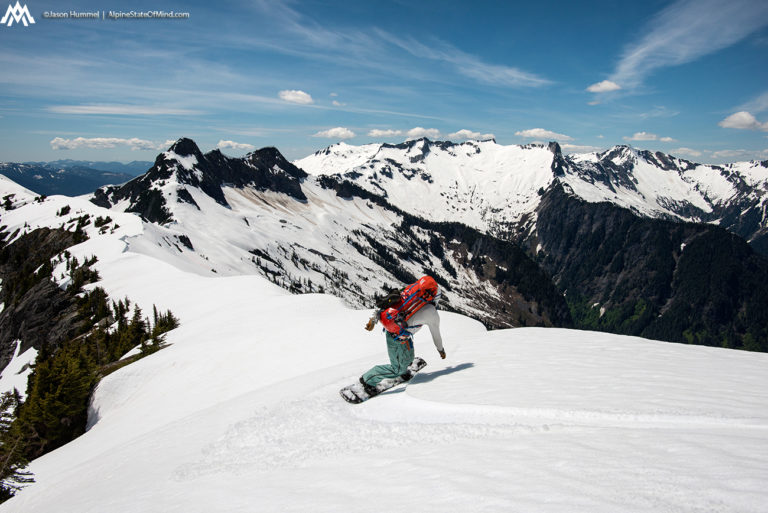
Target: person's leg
400	357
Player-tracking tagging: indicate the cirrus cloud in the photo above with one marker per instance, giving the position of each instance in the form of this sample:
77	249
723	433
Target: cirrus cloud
339	132
296	96
120	110
686	30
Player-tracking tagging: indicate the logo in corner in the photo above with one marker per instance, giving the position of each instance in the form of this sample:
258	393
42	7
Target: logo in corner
18	14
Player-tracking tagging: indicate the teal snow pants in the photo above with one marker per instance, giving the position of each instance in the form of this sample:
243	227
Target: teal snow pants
400	357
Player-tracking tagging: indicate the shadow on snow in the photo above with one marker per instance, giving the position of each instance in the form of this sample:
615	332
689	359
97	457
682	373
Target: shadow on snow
425	377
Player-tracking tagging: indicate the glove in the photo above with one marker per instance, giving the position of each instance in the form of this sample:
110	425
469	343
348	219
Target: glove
371	324
442	354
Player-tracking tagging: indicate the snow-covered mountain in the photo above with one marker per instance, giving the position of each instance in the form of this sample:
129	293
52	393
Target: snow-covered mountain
212	214
497	188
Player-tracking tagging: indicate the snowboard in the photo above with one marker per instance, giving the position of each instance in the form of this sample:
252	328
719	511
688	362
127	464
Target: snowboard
355	393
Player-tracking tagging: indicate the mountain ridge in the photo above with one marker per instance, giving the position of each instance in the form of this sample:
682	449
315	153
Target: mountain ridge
651	184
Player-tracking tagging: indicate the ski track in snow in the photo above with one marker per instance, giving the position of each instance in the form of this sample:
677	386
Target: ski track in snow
320	426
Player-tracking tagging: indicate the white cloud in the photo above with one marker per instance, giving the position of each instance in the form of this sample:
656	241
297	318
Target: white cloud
376	132
685	31
465	134
604	87
336	133
646	136
545	134
743	121
686	151
576	148
337	103
419	132
120	110
222	144
100	143
296	96
642	136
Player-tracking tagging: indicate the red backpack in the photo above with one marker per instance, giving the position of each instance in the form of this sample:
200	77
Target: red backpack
412	299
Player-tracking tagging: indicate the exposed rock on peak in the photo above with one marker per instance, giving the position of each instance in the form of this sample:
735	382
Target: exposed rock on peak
184	165
185	147
271	158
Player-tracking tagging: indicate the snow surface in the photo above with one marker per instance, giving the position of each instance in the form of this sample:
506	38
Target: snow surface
20	195
242	413
17	371
188	162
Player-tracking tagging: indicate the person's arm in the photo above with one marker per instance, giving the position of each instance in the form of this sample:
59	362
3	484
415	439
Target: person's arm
429	316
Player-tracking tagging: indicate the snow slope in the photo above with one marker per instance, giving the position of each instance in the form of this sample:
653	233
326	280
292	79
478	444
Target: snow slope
15	374
242	413
477	183
15	193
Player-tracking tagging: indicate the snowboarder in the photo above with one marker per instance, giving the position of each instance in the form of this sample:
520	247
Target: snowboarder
403	313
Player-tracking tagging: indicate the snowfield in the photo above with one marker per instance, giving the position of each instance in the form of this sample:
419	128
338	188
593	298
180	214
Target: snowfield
241	413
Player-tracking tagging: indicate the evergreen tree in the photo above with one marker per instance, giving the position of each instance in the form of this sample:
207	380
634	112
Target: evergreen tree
56	408
13	475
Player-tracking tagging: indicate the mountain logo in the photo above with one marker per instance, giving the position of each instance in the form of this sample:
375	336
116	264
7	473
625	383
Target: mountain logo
18	14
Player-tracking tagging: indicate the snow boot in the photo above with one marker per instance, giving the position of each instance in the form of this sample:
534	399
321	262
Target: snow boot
370	390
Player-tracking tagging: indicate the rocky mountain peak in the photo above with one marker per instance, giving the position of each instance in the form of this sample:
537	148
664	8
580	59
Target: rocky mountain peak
185	147
183	166
271	158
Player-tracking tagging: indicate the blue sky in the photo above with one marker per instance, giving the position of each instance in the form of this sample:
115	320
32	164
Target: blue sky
688	77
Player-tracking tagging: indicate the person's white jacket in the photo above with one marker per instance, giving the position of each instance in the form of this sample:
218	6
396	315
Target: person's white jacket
427	315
